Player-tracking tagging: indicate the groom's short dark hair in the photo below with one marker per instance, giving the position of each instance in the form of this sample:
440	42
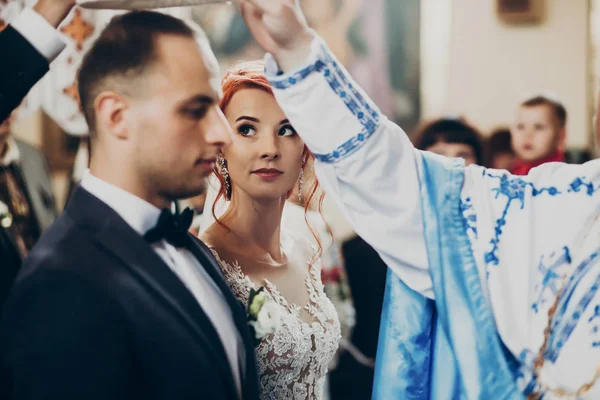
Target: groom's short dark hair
122	53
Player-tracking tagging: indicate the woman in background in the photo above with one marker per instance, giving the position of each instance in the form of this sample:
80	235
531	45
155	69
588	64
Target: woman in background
451	137
500	152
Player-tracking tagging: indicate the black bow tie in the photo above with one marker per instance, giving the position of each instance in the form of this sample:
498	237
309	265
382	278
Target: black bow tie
171	227
10	167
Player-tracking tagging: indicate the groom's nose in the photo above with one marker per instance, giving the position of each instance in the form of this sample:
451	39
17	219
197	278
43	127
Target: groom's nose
217	130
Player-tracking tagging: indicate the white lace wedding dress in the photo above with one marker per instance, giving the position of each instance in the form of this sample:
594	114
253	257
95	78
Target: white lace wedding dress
292	362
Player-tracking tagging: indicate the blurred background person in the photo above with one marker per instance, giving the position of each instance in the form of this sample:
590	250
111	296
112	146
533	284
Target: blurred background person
500	152
539	133
451	137
27	205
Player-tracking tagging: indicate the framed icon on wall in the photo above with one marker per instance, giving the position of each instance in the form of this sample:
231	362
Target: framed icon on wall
520	11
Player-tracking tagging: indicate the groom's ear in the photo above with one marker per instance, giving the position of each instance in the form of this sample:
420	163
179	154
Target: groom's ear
110	111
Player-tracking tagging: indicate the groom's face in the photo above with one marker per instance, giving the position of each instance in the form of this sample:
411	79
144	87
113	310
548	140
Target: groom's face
178	128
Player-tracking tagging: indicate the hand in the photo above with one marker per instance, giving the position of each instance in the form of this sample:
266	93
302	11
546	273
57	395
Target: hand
54	11
280	28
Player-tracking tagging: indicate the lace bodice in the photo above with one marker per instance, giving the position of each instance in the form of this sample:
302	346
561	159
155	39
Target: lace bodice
292	362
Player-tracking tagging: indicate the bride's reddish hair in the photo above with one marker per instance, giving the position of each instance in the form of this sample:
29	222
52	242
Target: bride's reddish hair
250	75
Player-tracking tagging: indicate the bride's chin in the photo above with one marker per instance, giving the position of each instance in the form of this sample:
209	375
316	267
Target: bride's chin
269	197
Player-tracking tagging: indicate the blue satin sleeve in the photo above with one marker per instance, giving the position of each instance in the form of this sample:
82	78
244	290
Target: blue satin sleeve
405	342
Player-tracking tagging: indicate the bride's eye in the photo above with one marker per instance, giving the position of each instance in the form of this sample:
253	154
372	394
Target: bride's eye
246	130
287	130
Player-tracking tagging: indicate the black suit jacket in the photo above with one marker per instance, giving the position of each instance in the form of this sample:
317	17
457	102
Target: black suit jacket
21	67
96	314
10	262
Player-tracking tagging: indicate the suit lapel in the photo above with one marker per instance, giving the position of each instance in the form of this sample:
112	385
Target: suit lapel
118	238
206	258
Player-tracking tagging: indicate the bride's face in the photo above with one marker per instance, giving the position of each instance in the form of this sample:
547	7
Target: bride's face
265	156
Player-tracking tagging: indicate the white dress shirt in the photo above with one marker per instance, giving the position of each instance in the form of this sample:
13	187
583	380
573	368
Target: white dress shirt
142	216
37	31
519	227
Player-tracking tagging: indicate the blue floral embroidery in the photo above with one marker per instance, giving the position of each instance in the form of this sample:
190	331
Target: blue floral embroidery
514	188
469	216
595	328
580	183
562	325
550	275
526	378
596	313
366	113
347	148
297	77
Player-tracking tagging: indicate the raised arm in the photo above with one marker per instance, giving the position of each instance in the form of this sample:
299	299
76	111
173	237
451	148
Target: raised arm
364	161
30	44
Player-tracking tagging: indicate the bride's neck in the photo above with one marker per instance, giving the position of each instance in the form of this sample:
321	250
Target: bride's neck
257	223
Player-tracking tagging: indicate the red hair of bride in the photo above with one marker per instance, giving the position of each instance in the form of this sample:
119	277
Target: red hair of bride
250	75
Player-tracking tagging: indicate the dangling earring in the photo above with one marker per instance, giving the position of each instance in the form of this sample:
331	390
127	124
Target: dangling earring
301	180
225	174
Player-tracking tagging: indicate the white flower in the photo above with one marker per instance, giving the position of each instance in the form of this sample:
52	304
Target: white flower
5	216
349	312
258	300
3	208
268	320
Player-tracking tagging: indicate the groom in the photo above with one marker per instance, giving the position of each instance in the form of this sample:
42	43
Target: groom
117	300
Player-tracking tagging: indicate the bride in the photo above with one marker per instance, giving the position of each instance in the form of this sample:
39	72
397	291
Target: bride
257	173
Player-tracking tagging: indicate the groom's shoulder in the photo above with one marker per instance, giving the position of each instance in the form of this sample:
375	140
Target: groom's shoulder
64	247
66	261
63	240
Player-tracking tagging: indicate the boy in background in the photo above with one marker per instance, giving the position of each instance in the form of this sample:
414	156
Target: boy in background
538	135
